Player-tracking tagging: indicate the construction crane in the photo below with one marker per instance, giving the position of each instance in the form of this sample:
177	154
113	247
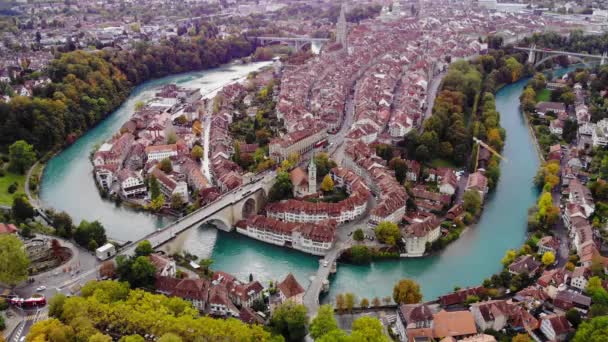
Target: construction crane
486	146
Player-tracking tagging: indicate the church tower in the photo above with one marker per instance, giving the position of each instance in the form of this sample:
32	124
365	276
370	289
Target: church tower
312	176
341	28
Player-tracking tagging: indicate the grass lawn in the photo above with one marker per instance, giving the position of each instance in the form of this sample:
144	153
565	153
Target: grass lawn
9	178
543	95
438	162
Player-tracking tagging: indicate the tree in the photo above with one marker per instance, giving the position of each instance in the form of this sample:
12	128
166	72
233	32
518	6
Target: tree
388	232
90	231
349	301
50	330
142	273
509	257
368	329
99	337
328	184
56	305
548	258
170	337
400	167
197	152
166	165
472	202
574	317
406	291
282	188
289	320
364	303
144	248
154	188
177	202
14	262
21	156
324	164
22	209
324	322
521	338
340	302
594	330
62	222
376	302
360	254
358	235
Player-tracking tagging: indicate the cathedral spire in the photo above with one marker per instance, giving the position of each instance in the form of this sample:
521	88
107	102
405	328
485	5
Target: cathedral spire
341	27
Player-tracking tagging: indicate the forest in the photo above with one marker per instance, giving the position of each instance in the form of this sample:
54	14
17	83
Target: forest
86	87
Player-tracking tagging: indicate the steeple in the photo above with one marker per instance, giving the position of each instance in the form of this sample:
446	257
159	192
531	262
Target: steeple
341	28
312	175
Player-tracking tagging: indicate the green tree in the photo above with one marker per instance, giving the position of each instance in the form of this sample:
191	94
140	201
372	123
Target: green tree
21	156
144	248
166	165
324	164
170	337
406	291
368	329
388	232
14	262
154	188
289	320
56	305
197	152
472	202
358	235
90	231
142	273
364	303
50	330
574	317
22	209
360	254
62	222
548	258
177	202
594	330
282	188
327	185
324	322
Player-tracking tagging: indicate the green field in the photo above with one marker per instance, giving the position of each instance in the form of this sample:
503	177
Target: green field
9	178
543	95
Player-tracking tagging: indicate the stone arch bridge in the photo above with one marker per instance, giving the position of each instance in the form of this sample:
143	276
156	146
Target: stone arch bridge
224	212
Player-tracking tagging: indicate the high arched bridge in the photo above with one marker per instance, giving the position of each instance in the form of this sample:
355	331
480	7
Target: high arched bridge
295	42
538	56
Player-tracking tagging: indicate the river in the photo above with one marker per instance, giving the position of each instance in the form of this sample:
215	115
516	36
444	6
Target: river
68	185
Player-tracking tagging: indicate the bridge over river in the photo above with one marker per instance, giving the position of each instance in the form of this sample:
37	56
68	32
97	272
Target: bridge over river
224	212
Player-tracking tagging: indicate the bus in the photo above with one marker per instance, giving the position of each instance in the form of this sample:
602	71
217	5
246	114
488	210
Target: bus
32	302
322	144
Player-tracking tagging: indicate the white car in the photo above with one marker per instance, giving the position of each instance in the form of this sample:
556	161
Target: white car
325	263
41	288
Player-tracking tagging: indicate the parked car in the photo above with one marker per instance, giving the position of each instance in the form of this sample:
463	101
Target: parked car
41	288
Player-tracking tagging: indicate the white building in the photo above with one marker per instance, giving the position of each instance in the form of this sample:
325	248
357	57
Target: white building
418	234
599	135
131	183
160	152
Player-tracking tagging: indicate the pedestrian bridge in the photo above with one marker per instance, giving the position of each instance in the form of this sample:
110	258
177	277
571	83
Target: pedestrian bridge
224	212
313	291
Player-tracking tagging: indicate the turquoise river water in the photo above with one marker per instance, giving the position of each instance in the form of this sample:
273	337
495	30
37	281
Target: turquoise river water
68	185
